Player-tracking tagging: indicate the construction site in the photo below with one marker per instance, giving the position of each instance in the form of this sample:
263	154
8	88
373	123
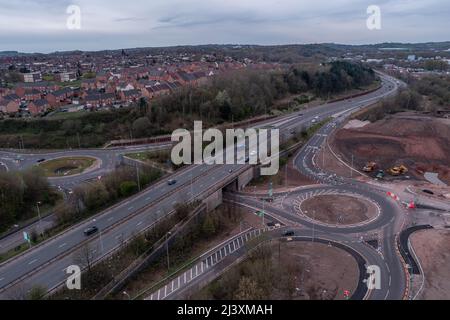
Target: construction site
402	147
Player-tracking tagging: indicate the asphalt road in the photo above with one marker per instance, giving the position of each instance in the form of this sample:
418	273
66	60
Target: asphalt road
46	263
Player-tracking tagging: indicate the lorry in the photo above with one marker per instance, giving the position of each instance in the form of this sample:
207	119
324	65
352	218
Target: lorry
398	170
371	166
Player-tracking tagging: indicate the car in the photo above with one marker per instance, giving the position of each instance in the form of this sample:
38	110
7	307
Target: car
288	233
230	171
171	182
247	160
90	231
271	224
40	160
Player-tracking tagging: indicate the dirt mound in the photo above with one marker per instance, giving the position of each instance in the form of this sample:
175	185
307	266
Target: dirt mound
337	209
421	143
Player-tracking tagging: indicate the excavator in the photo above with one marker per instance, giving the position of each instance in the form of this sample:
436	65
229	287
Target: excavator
370	167
398	170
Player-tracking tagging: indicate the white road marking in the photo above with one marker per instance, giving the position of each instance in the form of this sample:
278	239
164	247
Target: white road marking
63	245
34	261
139	224
110	219
130	208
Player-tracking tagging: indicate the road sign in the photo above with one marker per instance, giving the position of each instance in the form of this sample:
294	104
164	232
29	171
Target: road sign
260	213
347	294
26	237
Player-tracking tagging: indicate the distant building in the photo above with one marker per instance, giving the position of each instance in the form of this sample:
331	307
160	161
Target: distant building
67	76
412	57
31	77
38	106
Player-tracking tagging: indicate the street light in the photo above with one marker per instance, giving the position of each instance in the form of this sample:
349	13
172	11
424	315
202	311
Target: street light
126	294
167	251
100	236
39	216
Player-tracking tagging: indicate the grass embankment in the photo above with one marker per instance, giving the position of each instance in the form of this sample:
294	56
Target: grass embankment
66	166
158	159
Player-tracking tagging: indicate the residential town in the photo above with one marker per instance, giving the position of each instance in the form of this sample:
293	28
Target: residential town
78	81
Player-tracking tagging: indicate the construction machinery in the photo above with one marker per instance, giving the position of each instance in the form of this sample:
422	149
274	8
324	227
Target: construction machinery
371	166
380	174
398	170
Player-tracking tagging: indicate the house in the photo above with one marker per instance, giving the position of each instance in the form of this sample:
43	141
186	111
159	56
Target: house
42	86
32	94
100	100
156	75
89	84
125	86
66	76
9	106
38	106
185	78
4	91
93	100
107	99
57	97
130	95
31	77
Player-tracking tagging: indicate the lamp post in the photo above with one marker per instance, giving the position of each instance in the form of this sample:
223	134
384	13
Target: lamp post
167	251
126	294
39	216
100	236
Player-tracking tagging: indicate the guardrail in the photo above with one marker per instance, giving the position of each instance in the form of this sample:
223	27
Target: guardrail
149	256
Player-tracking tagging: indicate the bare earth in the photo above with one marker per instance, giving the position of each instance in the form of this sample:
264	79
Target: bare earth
422	143
338	210
433	249
327	271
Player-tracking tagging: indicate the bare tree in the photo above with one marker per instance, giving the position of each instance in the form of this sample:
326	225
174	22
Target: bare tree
85	257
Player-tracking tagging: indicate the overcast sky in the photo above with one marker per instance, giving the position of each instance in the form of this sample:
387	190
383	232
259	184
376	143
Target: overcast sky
40	25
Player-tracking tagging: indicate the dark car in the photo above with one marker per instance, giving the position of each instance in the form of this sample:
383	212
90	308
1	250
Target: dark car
41	160
271	224
90	231
288	233
171	182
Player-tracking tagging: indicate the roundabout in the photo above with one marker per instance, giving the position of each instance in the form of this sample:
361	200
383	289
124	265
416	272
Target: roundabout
337	210
68	166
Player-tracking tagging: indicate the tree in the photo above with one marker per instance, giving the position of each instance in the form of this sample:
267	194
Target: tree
208	226
85	257
96	196
248	289
141	126
37	292
127	188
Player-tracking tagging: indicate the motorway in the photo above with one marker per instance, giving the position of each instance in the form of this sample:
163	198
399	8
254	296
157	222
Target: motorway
46	263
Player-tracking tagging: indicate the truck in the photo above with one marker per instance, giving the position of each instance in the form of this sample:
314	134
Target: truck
370	167
398	170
